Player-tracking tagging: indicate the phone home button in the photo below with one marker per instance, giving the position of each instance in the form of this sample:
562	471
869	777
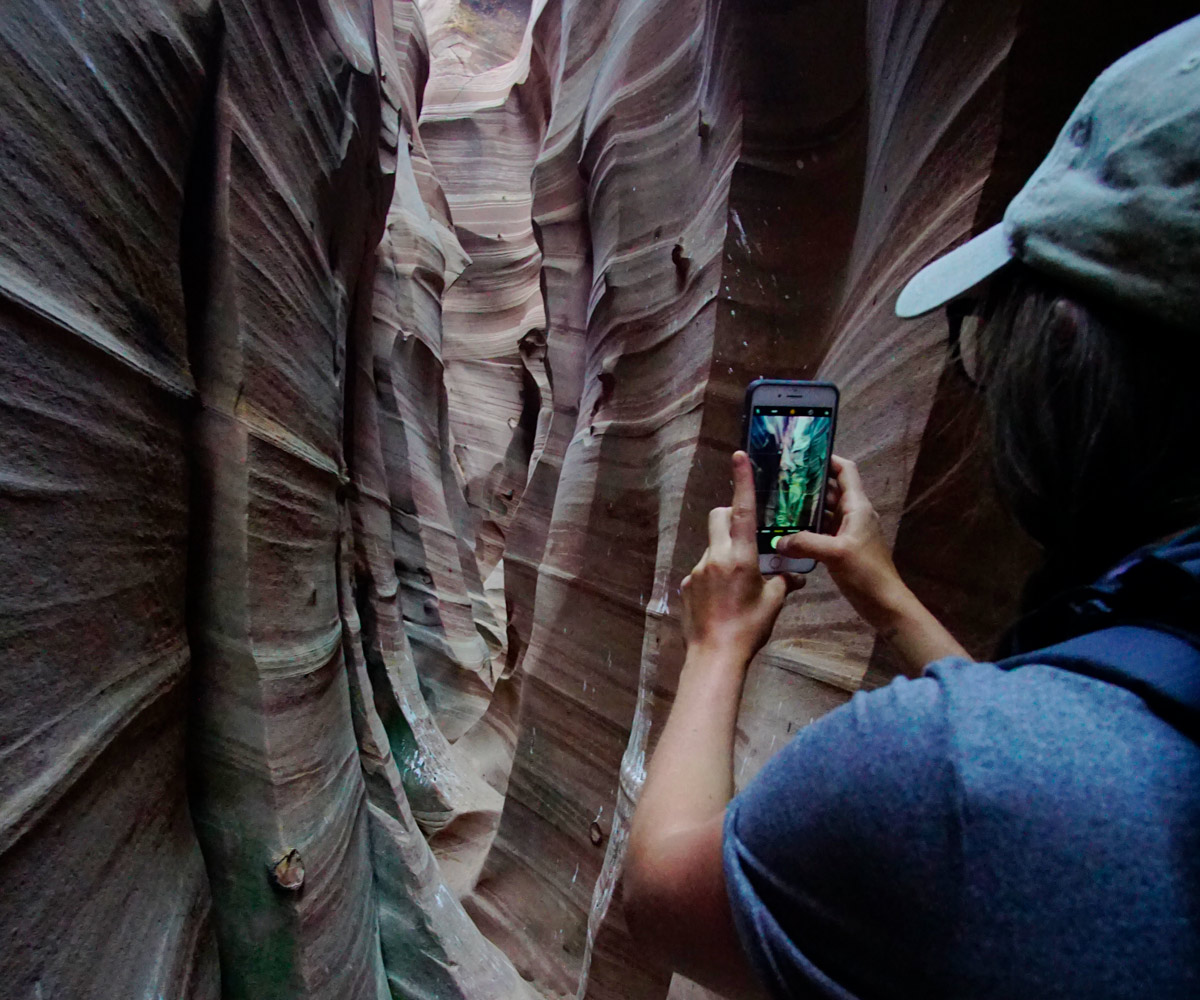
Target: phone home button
776	562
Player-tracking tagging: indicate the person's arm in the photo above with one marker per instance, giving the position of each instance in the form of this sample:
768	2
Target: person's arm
674	883
861	565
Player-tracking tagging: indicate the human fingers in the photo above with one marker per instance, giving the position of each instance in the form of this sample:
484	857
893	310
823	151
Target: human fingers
809	545
833	496
743	512
795	581
775	590
849	481
718	529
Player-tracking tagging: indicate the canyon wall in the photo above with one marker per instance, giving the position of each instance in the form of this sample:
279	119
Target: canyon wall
368	369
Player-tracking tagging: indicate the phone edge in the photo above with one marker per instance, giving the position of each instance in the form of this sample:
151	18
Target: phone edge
792	565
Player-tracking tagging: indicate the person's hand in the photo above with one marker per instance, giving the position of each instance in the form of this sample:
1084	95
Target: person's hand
854	550
728	607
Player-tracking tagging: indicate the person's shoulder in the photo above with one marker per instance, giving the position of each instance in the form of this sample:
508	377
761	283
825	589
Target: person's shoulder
1041	705
876	823
885	737
848	839
905	758
1063	740
866	785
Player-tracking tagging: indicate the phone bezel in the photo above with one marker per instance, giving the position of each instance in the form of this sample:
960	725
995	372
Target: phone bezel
791	392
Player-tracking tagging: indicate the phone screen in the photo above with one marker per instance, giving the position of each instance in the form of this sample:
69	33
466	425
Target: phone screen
789	452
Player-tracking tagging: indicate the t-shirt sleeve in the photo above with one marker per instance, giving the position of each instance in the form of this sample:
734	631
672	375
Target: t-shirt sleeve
843	858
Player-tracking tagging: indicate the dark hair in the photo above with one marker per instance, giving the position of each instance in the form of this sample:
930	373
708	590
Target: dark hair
1094	415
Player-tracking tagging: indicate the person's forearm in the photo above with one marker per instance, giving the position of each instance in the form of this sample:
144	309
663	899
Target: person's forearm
690	777
675	901
913	631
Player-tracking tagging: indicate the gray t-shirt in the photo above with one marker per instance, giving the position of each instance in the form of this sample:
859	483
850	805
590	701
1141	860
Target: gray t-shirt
978	833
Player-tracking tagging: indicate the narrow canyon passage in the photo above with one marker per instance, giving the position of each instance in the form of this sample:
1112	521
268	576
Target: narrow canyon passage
368	369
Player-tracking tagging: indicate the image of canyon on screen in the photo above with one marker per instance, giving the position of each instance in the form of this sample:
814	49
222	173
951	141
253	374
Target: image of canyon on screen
789	451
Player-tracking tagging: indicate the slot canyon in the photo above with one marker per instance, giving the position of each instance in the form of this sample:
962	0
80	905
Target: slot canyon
368	369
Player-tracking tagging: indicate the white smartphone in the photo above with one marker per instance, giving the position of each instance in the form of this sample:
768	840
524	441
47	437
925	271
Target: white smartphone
789	438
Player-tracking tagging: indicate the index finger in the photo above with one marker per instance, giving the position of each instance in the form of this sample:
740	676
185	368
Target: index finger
742	519
847	477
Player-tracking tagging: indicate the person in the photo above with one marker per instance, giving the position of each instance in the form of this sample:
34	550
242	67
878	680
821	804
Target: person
1023	828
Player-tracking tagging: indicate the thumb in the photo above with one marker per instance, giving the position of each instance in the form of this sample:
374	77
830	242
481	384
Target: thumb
809	545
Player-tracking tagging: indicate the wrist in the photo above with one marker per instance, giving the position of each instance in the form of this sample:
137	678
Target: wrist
895	608
915	633
713	675
717	654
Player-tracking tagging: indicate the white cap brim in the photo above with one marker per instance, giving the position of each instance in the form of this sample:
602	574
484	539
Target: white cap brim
949	276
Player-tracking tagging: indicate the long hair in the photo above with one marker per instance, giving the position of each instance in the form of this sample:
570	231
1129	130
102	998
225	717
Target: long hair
1094	418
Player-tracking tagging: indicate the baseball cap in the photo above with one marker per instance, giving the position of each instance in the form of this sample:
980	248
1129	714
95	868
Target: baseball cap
1114	210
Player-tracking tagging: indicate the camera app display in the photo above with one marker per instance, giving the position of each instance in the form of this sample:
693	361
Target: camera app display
789	453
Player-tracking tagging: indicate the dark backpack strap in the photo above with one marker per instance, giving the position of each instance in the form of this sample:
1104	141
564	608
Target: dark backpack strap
1160	667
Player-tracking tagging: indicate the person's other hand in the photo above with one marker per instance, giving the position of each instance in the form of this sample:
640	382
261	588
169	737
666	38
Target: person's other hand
854	549
728	606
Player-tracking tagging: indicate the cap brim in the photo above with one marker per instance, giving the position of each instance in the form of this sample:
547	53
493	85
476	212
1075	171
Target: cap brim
949	276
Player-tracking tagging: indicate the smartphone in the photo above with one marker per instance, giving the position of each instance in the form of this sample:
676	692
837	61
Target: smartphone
789	438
